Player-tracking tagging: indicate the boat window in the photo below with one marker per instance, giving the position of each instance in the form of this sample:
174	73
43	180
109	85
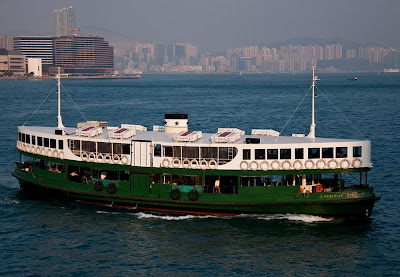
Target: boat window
260	154
299	153
53	143
327	152
23	137
88	146
104	147
187	180
56	167
190	152
28	139
246	154
124	175
77	174
209	153
286	154
168	151
105	174
341	152
314	153
40	141
177	151
157	150
126	149
33	140
156	178
272	154
226	154
357	151
74	145
60	144
46	142
223	153
166	179
19	136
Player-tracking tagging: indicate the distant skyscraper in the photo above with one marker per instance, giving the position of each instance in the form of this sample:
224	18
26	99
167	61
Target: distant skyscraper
64	21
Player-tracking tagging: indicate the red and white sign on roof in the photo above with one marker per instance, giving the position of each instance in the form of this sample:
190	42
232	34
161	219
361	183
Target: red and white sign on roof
89	131
186	136
225	137
122	133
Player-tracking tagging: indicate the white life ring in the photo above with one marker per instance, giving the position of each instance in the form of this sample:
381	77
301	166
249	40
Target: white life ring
275	165
18	144
244	165
100	158
116	159
49	153
43	151
194	164
84	156
91	157
357	163
264	165
297	164
309	164
320	164
253	165
345	164
332	164
213	164
286	165
185	163
165	163
203	164
55	153
124	159
61	155
107	158
38	149
27	148
176	162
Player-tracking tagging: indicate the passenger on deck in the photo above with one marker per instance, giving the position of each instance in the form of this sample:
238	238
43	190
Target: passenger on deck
217	189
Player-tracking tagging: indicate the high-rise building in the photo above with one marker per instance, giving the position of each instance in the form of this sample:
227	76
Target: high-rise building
12	61
64	21
6	42
84	55
35	47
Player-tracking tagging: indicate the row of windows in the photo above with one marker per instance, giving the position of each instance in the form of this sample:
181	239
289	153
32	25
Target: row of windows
221	154
40	141
312	153
77	146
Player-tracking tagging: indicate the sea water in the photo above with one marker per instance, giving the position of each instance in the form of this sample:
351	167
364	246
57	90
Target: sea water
41	237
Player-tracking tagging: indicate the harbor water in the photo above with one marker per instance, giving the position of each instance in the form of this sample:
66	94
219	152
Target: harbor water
44	237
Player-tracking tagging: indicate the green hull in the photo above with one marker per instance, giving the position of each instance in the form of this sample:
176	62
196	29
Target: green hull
139	193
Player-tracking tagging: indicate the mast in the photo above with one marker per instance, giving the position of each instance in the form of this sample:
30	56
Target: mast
312	127
60	124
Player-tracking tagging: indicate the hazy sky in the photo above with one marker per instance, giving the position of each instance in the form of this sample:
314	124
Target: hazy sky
215	24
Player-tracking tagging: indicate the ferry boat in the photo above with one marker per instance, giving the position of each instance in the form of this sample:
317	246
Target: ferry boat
174	169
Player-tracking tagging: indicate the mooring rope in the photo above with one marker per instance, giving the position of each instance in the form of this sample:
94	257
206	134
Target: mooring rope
341	113
287	122
39	106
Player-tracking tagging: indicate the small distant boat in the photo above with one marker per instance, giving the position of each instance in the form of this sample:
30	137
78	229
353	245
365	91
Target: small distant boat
353	79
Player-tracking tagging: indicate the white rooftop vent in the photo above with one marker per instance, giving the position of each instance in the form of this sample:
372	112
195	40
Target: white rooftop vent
122	133
225	137
267	132
298	135
89	131
233	130
158	128
134	127
187	136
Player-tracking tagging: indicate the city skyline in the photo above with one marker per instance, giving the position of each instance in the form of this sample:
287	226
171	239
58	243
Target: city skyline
214	26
